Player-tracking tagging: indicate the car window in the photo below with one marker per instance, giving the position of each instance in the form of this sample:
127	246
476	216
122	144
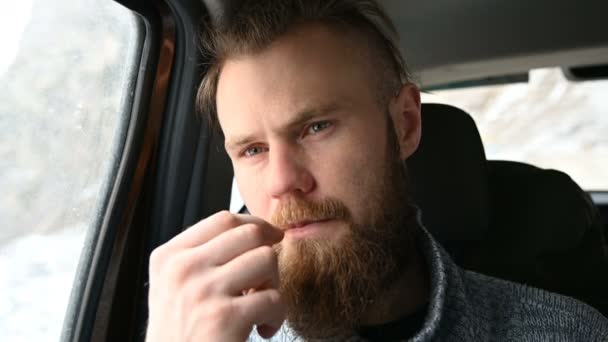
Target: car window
236	201
66	68
549	122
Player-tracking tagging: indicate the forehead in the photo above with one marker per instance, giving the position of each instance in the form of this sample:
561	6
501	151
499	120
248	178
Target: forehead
310	66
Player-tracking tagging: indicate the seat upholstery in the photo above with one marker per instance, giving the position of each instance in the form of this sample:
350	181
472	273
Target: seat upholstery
544	231
448	177
506	219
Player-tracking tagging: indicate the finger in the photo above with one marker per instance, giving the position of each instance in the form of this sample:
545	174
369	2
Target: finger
222	249
239	240
255	269
265	308
212	226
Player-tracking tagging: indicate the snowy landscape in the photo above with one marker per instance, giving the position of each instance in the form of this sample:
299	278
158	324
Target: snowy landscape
63	72
62	87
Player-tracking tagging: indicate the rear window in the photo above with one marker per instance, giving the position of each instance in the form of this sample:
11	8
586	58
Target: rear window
549	122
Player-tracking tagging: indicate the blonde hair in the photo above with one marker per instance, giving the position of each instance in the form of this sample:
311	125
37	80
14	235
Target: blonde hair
257	23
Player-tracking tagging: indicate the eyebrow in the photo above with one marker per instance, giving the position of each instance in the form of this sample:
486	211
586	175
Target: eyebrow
300	118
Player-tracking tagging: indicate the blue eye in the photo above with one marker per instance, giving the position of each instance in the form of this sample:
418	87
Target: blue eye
252	151
318	127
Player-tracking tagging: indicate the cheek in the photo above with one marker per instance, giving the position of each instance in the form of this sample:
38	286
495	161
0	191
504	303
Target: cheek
354	175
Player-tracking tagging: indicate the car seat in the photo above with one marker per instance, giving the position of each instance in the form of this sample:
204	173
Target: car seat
507	219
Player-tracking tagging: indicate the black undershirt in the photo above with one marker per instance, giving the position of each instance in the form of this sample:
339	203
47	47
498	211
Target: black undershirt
399	330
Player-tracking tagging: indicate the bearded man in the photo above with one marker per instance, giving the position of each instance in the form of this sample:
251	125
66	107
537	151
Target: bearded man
320	115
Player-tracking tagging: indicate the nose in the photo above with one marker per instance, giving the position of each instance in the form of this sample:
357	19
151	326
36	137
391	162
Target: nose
288	172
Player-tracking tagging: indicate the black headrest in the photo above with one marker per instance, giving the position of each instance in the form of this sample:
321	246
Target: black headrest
449	177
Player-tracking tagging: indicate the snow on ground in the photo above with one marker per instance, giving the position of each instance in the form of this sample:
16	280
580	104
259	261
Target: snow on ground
36	273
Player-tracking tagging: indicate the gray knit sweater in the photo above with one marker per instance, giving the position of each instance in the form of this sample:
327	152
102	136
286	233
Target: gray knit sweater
468	306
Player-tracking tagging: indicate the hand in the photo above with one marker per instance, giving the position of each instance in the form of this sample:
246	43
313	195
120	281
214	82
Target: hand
215	281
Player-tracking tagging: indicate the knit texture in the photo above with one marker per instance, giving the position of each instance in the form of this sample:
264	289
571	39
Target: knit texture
468	306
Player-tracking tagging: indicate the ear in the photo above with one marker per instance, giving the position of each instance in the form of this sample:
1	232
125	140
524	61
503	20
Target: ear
404	109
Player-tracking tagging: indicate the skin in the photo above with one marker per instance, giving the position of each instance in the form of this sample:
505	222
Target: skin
301	118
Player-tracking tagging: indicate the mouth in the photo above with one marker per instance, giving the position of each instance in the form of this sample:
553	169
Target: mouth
303	224
306	228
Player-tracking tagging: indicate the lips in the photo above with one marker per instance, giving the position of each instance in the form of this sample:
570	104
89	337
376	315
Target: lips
302	224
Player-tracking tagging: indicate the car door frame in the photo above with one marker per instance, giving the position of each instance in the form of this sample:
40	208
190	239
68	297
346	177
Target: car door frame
173	172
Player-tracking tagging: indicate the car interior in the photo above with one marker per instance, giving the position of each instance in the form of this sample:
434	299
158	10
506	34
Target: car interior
507	219
503	218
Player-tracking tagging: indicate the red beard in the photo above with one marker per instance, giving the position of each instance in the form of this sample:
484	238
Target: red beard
329	284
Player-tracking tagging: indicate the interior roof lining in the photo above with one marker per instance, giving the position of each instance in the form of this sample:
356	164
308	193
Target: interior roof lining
510	65
447	35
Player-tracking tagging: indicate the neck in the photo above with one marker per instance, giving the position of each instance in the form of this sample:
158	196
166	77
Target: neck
407	295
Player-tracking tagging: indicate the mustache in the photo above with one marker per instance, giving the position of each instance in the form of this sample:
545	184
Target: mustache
295	210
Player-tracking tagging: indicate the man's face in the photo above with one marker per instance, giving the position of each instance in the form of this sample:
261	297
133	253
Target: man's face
314	151
302	119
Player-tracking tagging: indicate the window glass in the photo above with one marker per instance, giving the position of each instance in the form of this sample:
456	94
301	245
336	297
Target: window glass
236	201
549	122
65	72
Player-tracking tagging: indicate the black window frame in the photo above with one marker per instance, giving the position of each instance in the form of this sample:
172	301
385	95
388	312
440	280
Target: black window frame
172	173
